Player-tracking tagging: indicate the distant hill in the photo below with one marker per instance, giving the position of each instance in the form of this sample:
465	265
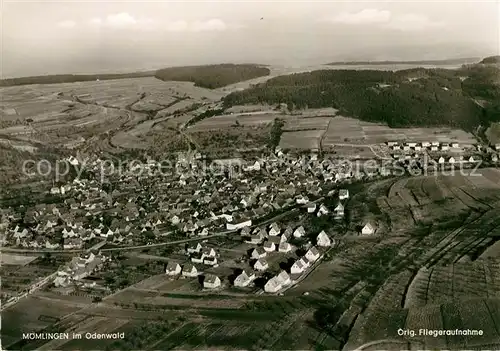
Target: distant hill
71	78
213	76
491	59
415	97
458	61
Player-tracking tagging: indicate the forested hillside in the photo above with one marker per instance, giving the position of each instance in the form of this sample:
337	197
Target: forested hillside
213	76
415	97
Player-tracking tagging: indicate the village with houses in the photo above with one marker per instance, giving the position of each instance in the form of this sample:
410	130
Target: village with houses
140	208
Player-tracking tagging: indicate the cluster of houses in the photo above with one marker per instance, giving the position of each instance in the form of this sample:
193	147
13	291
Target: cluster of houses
434	146
79	268
127	207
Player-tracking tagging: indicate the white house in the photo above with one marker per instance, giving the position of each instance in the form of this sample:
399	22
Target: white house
211	282
299	232
339	210
274	229
210	261
343	194
441	160
322	210
261	265
451	160
284	247
273	285
244	279
323	240
312	254
368	229
455	145
194	249
258	253
497	147
173	269
298	267
240	225
204	232
311	207
284	278
269	246
472	159
189	270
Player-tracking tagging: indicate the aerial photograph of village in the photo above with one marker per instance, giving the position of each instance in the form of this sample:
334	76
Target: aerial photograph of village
214	175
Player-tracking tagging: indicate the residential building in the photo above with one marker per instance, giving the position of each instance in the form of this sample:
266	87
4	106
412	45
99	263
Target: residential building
173	269
261	265
189	270
323	240
211	281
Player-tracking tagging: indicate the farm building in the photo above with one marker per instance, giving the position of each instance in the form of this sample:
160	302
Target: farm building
269	246
173	269
189	270
299	232
323	240
261	265
312	254
211	282
368	229
258	253
244	279
284	247
343	194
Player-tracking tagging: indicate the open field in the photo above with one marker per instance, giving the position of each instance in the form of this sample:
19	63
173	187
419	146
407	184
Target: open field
307	139
16	260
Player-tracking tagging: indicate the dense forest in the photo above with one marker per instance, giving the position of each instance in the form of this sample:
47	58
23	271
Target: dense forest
213	76
71	78
463	98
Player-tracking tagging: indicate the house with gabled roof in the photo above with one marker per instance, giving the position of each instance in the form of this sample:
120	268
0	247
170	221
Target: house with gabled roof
261	265
273	285
368	229
284	247
269	246
323	240
343	194
173	269
258	253
312	254
211	281
244	279
299	232
189	270
274	229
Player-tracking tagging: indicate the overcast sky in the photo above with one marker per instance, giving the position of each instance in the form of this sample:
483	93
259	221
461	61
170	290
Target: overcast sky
40	37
